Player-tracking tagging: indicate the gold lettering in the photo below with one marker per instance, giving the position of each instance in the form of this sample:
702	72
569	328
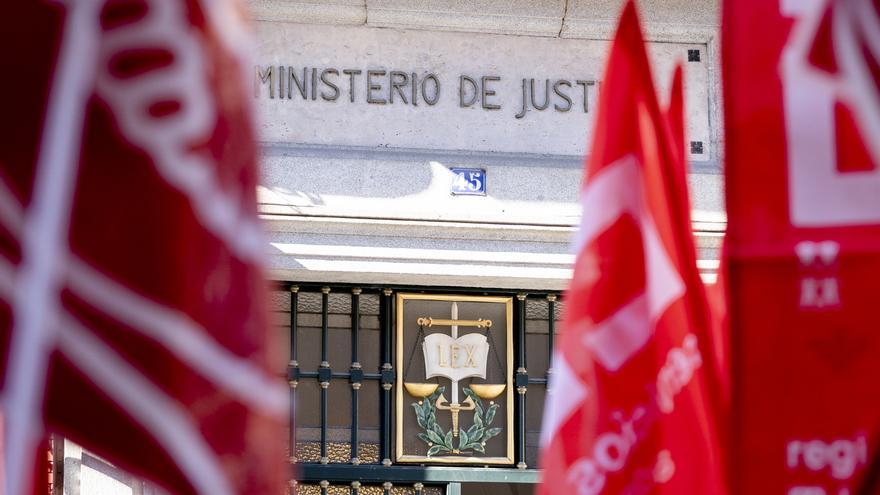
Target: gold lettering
441	361
470	362
453	355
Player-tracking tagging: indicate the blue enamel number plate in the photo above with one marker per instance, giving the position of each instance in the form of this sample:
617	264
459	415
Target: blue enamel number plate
469	181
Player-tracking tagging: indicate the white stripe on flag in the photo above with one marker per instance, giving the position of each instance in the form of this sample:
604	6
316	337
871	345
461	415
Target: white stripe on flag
161	416
566	393
186	340
174	330
617	190
35	302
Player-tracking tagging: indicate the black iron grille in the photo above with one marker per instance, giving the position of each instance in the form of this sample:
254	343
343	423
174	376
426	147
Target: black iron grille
341	372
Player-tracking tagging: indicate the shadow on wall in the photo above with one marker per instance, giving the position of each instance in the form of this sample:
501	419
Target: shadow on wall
312	172
304	176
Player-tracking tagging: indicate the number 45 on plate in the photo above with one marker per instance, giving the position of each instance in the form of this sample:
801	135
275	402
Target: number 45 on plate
469	181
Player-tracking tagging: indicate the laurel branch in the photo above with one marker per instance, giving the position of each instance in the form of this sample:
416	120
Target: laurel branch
472	439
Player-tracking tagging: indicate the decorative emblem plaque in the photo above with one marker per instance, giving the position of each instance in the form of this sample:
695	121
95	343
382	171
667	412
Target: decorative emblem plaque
455	379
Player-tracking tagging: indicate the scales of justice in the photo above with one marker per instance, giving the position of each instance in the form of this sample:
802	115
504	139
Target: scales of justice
456	358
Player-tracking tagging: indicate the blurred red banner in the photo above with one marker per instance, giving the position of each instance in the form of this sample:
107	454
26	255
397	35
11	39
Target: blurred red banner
132	301
803	199
632	405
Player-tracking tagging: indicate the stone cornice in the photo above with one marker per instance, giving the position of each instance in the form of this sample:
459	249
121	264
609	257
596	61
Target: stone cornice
665	20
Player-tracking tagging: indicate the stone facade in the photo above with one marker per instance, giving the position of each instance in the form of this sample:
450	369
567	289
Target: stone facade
354	208
340	208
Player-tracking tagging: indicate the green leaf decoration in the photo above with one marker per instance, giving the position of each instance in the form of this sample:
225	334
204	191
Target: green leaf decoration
474	433
472	438
433	437
478	403
491	432
426	416
430	407
434	450
420	414
490	414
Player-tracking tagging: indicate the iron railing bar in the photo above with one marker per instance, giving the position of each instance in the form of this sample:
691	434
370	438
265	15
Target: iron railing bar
355	325
355	372
324	458
551	328
387	322
325	365
294	310
520	407
339	374
325	319
429	475
355	459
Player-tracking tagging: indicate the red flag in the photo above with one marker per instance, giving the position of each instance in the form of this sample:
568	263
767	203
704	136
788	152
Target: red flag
630	408
132	303
803	198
